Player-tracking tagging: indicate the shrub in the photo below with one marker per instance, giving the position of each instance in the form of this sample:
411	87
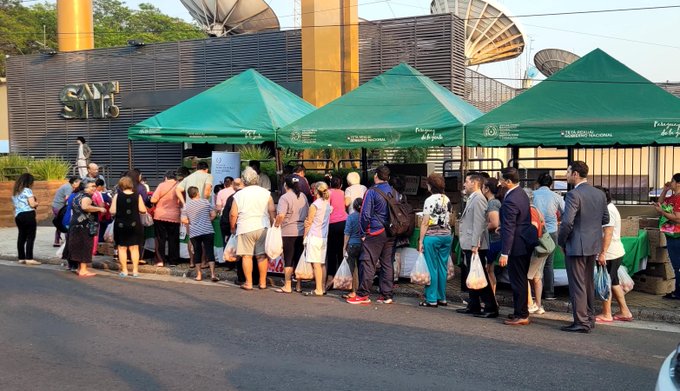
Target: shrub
50	168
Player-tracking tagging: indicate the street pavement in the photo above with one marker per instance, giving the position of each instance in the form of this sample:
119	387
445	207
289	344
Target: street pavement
60	332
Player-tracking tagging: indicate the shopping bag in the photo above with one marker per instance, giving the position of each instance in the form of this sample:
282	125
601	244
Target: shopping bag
60	250
182	232
450	273
304	270
273	243
108	234
420	274
230	249
343	277
625	281
476	278
603	283
146	219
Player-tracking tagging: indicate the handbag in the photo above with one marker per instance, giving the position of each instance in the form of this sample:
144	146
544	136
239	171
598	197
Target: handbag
546	245
146	219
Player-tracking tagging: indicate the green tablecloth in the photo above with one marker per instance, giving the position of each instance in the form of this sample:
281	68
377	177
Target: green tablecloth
637	249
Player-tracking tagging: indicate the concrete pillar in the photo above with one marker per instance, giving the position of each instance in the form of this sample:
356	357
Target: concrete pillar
330	49
75	25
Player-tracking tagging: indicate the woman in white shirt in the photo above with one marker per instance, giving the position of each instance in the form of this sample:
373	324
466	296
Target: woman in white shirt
611	256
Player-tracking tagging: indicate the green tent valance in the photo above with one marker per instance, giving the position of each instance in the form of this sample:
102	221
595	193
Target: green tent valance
596	101
400	108
245	109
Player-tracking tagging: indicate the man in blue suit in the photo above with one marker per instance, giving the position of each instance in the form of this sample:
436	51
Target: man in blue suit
518	239
585	213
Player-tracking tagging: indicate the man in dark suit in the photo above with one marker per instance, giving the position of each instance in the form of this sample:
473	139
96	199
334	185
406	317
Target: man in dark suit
518	239
585	213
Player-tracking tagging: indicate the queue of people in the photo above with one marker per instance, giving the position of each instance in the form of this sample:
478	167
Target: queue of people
323	225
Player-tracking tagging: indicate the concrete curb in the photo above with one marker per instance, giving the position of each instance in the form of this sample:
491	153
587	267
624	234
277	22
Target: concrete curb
402	289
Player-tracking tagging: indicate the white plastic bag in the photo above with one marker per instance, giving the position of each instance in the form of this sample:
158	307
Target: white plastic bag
450	272
420	274
60	251
108	234
625	281
476	279
304	270
343	277
230	249
273	243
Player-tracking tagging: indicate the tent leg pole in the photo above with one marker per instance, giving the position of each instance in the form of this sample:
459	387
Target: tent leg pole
279	166
129	154
364	166
514	155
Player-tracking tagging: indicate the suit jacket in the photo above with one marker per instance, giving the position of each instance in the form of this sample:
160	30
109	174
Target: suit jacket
518	235
585	212
473	224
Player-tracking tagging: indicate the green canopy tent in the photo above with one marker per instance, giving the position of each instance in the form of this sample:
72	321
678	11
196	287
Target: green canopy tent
596	101
245	109
400	108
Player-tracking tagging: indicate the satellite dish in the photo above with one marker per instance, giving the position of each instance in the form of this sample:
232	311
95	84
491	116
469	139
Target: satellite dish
230	17
490	34
549	61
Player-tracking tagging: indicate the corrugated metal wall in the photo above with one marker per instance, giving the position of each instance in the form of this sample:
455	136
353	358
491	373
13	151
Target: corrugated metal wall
158	76
152	78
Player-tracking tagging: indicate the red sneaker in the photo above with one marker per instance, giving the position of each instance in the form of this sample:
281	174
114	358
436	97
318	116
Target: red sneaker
359	300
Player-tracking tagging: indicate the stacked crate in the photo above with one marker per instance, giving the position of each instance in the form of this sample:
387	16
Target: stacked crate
658	278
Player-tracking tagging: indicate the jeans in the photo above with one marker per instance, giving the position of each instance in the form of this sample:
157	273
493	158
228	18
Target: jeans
674	254
549	272
27	227
376	252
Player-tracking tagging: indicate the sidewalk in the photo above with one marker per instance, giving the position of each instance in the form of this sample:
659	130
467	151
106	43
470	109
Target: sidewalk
644	306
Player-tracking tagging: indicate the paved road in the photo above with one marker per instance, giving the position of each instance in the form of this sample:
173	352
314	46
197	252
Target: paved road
61	333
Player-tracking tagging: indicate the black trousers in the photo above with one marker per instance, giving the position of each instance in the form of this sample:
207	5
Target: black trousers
204	244
485	294
518	267
376	251
167	232
27	225
336	237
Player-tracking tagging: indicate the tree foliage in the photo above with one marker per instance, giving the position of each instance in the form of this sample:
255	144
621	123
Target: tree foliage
28	29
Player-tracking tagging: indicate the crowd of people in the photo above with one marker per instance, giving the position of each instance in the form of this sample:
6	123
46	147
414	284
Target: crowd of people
321	224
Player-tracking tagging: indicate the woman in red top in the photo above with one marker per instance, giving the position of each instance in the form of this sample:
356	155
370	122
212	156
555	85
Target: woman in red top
669	209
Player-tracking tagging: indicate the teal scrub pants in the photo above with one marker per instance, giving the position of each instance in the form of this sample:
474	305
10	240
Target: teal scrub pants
437	250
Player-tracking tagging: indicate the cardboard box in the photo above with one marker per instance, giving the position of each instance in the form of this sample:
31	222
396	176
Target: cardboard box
658	255
653	285
656	238
663	270
649	222
630	226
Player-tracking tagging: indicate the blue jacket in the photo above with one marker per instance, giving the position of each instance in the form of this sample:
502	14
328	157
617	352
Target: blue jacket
374	210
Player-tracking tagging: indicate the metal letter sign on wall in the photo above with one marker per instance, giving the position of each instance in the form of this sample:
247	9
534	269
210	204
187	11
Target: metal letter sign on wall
80	100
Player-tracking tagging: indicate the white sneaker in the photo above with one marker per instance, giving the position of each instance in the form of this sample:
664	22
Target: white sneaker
533	308
21	262
540	310
32	262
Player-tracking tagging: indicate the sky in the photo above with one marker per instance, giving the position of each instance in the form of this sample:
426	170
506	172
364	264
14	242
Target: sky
644	40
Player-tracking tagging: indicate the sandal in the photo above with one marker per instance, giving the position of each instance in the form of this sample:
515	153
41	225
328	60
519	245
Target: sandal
85	275
280	290
426	304
262	287
622	318
192	266
122	275
313	293
599	319
214	279
246	288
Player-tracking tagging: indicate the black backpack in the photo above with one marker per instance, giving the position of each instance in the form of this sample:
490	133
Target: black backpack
59	218
401	221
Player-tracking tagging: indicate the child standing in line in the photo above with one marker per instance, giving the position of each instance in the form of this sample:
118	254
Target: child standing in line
198	214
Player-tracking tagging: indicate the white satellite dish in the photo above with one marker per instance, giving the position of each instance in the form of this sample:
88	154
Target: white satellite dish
549	61
490	34
230	17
